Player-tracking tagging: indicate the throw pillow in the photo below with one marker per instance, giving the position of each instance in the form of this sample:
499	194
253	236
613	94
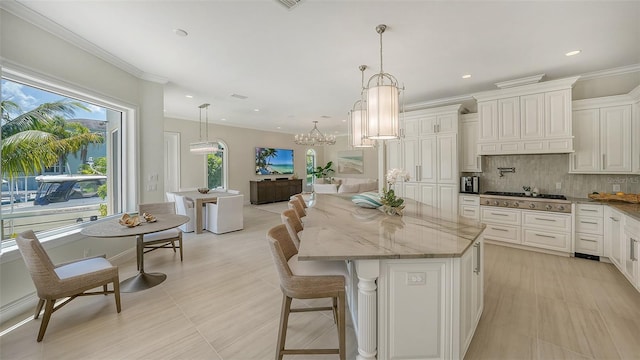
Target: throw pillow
348	188
369	200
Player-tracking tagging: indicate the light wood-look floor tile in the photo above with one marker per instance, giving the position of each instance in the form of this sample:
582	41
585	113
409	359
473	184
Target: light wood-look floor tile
223	302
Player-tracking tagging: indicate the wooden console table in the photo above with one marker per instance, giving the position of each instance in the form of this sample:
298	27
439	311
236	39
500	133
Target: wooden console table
263	192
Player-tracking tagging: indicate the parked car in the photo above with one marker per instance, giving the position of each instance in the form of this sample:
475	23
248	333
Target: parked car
61	188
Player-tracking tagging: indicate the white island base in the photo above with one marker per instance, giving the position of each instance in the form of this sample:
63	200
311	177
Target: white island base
423	308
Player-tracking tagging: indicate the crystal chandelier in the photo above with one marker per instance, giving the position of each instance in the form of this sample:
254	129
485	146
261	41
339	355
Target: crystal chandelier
358	119
204	146
314	137
383	105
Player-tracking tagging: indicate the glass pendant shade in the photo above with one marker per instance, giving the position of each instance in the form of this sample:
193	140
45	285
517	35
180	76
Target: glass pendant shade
204	146
383	110
358	121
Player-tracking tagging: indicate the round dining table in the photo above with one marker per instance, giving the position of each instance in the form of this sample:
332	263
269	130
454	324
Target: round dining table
111	228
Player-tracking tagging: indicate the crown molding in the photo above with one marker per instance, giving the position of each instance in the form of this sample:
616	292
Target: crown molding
65	34
438	102
610	72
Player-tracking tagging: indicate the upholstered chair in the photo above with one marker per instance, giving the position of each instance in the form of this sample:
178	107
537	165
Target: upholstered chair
307	280
186	207
226	214
67	280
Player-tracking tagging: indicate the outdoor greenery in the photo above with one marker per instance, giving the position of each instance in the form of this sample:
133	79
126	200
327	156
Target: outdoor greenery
262	158
214	170
40	138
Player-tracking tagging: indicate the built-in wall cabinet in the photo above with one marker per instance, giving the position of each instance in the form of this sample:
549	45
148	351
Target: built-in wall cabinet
527	119
428	151
606	134
469	133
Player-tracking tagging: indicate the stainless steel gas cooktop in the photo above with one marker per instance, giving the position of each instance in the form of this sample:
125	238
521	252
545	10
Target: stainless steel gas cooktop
542	202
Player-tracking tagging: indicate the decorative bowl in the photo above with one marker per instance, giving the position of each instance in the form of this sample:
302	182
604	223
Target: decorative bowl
203	190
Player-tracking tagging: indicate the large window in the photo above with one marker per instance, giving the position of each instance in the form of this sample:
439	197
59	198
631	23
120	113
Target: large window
217	168
311	165
61	157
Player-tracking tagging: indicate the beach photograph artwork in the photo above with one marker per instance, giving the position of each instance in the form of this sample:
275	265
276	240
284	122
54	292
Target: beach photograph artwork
350	162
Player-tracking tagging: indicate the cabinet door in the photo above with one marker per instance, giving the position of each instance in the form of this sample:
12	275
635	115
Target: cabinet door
411	157
586	128
411	126
557	121
448	200
411	190
428	159
393	153
613	237
630	252
429	194
469	158
488	118
447	123
509	118
615	138
532	116
428	125
447	159
466	299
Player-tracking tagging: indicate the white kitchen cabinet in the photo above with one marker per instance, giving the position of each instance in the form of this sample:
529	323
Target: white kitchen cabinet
393	153
469	206
603	138
529	119
613	235
471	290
630	251
447	159
589	229
448	199
469	131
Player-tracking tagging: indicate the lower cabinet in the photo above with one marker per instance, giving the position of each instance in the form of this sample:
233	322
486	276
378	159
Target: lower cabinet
442	196
613	222
630	251
469	206
262	192
471	293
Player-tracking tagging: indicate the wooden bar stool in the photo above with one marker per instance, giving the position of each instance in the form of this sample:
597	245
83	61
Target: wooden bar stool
302	280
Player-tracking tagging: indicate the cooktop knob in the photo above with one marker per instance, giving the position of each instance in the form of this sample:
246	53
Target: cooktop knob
561	208
516	204
506	203
496	203
548	207
532	205
487	202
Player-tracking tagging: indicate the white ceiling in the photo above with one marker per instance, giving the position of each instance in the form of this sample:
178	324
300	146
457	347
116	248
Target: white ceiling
301	65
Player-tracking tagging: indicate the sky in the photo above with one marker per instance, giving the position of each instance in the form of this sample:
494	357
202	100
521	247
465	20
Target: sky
28	98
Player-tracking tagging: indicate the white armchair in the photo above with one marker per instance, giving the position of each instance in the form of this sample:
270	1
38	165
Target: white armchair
185	207
226	215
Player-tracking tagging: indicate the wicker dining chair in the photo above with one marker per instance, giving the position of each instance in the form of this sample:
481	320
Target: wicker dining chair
301	199
320	280
295	205
67	280
291	220
162	239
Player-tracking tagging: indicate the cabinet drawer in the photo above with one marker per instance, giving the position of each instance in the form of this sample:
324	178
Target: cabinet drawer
589	210
546	239
469	200
588	244
470	211
549	221
589	225
497	215
501	232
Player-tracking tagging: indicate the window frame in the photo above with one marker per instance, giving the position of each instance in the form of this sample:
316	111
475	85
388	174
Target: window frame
225	165
128	151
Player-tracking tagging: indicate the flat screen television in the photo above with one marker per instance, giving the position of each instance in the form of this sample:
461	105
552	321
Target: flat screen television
272	161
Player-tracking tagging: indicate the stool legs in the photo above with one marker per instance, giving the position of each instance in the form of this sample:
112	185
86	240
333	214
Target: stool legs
284	322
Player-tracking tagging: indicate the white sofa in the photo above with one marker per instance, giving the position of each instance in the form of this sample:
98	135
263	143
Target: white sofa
345	185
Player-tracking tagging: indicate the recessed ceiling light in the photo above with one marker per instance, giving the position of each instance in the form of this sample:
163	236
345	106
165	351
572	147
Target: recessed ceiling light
256	110
466	76
189	96
325	117
279	127
239	96
344	120
574	52
180	32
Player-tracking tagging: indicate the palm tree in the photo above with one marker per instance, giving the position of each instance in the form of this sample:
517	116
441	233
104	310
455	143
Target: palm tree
26	145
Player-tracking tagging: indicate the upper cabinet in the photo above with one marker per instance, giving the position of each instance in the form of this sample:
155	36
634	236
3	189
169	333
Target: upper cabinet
528	119
606	135
469	131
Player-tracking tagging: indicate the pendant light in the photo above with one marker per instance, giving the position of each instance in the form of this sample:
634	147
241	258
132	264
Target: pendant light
358	119
204	146
383	105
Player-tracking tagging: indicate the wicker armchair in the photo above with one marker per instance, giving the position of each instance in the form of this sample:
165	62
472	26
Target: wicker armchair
297	281
163	239
291	220
67	280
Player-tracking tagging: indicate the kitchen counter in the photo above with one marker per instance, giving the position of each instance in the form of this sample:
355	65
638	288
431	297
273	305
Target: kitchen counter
629	209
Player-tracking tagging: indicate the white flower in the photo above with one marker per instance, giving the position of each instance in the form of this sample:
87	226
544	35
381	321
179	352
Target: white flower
394	175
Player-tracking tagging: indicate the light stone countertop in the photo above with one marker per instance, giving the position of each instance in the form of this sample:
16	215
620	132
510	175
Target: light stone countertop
336	229
629	209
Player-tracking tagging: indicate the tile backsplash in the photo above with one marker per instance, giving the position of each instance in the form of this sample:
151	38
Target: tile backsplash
544	171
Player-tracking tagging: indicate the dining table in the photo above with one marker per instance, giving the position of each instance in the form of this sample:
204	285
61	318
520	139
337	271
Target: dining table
111	228
200	200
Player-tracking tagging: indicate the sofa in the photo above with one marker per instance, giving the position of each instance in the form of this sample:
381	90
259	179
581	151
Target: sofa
345	185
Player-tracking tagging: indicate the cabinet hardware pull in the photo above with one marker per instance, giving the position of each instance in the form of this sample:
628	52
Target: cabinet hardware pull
546	236
589	210
632	249
589	240
498	229
499	214
614	219
434	128
468	200
545	219
588	222
478	258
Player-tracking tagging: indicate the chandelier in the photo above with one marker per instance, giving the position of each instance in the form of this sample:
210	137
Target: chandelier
204	146
314	137
358	119
383	108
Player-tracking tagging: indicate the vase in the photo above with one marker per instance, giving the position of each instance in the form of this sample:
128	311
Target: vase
392	210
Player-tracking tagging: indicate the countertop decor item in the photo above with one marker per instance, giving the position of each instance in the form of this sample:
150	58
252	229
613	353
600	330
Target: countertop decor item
630	198
129	221
391	204
203	190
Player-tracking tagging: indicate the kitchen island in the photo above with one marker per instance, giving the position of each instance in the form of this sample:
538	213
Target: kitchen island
416	284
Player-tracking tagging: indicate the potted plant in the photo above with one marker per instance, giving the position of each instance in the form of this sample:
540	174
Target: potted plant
324	172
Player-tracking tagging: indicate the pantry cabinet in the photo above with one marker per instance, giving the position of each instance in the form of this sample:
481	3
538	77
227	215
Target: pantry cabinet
528	119
469	159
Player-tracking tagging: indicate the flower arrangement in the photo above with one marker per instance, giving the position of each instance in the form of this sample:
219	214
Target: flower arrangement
391	204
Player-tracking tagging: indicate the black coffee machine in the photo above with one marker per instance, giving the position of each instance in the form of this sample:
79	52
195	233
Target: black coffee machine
470	184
